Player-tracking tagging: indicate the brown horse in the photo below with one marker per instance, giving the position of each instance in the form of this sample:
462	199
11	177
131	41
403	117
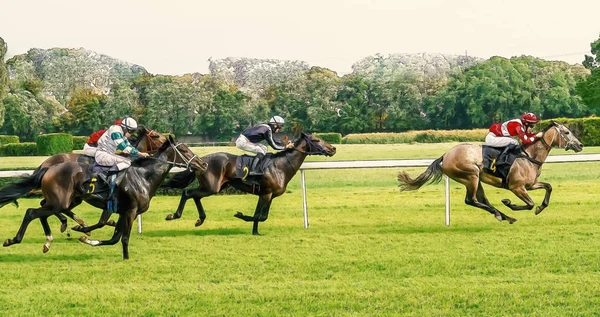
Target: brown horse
222	170
65	186
147	140
464	164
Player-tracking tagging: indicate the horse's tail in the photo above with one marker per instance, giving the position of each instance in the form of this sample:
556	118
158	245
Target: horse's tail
180	180
433	174
14	191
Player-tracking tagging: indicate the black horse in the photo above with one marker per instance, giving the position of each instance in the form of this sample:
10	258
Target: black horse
146	140
66	185
221	174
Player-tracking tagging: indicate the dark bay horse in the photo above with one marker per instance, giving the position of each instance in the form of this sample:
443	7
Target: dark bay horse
147	140
65	186
221	174
464	164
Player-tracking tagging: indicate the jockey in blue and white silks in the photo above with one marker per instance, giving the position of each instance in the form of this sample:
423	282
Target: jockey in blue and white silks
115	138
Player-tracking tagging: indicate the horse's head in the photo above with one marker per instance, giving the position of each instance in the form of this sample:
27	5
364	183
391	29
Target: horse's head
561	136
312	145
148	140
180	155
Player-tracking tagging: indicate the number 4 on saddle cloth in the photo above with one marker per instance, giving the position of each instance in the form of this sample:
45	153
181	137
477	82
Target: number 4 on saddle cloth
498	160
250	172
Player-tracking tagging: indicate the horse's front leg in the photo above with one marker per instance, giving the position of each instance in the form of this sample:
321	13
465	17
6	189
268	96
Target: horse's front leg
260	214
521	192
104	220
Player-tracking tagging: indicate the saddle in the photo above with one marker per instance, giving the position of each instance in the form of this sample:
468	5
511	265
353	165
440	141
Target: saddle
248	175
98	183
491	157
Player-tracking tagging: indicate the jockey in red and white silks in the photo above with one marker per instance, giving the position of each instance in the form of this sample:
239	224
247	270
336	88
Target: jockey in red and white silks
115	138
502	134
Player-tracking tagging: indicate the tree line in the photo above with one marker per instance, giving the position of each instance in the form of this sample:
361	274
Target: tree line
492	91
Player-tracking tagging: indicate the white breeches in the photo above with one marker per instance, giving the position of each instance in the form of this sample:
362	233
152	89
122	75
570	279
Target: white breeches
89	150
243	143
106	159
499	141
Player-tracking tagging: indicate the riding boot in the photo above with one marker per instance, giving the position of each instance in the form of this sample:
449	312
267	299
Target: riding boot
503	157
112	200
255	168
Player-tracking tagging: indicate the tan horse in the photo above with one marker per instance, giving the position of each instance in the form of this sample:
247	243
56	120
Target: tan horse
464	164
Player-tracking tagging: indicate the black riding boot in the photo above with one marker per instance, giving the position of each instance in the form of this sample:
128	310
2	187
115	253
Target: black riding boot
503	157
255	168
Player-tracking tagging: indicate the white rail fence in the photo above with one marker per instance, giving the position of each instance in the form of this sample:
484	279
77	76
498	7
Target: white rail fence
367	164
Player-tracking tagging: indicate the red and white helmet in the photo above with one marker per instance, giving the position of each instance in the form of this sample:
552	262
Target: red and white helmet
529	118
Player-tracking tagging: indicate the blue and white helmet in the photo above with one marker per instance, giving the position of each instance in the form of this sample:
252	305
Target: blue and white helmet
129	124
276	120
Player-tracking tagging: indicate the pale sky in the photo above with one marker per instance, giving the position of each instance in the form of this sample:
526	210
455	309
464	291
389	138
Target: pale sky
179	36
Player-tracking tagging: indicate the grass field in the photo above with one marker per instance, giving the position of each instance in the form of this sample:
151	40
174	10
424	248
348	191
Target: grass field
370	251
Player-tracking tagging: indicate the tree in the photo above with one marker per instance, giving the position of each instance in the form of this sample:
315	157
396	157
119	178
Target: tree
589	89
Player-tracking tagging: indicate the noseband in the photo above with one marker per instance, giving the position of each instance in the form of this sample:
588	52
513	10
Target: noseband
313	148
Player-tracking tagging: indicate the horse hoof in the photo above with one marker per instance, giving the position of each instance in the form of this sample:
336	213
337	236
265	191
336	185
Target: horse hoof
538	210
83	239
111	223
6	243
239	214
169	217
506	202
63	227
199	222
45	249
88	233
512	220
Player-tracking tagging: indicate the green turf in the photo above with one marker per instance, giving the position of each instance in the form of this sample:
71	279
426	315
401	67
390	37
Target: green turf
371	250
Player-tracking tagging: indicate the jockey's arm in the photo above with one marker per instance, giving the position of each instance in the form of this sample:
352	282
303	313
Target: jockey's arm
122	144
272	142
526	138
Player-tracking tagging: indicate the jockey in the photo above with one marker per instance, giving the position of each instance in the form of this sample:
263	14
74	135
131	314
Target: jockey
250	139
115	138
502	134
89	148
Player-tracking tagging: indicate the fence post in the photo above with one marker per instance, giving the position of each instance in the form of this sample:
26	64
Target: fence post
447	201
304	199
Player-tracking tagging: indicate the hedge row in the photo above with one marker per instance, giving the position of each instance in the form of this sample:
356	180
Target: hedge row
54	143
19	149
8	139
587	130
426	136
330	137
79	142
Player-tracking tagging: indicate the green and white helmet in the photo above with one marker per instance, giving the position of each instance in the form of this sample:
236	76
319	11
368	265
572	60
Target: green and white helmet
129	124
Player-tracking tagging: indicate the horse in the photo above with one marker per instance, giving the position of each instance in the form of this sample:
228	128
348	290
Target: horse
147	141
222	171
464	164
65	186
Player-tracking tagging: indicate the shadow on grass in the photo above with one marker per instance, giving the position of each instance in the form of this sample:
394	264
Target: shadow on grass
436	230
15	258
197	232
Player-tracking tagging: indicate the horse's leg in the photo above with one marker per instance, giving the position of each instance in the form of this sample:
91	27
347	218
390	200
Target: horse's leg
104	220
260	214
126	234
197	194
521	192
113	240
476	197
63	222
47	232
30	214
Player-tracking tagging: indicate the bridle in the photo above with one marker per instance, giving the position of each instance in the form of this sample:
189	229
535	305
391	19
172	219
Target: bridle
313	147
560	140
154	146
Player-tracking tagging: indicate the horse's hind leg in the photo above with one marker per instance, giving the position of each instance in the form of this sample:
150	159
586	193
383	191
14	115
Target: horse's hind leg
49	238
104	221
30	214
476	197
